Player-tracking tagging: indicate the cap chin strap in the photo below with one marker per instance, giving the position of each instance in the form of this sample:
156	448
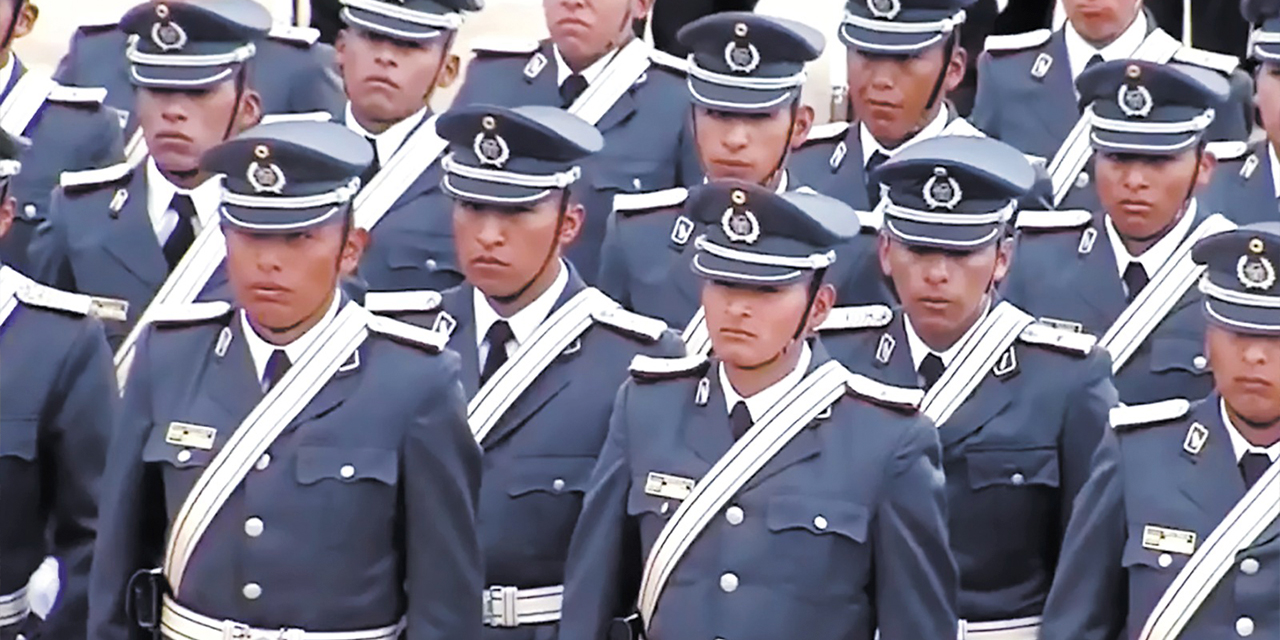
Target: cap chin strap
551	253
444	61
947	52
241	82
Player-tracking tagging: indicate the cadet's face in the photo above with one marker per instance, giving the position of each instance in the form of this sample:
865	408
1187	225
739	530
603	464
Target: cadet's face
1143	195
179	126
26	19
1268	100
502	248
744	146
284	280
890	94
585	30
750	326
942	291
1101	21
1246	371
386	79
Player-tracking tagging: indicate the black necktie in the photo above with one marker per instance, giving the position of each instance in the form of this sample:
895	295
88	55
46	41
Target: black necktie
739	419
184	233
373	168
1094	61
572	87
497	338
931	369
1135	278
873	188
1252	466
277	365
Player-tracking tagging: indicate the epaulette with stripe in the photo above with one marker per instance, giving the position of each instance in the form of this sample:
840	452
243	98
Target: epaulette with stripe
1143	415
304	116
895	397
631	323
92	178
649	369
1014	42
35	294
871	316
1216	61
1227	149
1077	344
668	61
633	203
505	46
413	335
305	36
176	315
1053	220
77	95
97	25
424	300
828	131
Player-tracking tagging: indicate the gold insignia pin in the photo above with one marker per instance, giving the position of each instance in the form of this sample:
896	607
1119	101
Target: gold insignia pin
1133	71
1197	435
190	436
262	152
740	29
665	485
162	11
738	197
488	123
1256	245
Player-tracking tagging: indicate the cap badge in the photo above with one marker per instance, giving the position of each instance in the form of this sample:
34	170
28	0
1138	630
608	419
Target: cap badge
885	9
265	178
1255	271
741	57
169	36
1135	101
739	224
489	147
942	191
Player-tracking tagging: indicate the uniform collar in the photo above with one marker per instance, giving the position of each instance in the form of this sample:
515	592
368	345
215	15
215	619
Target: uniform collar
1160	252
1241	446
1275	170
524	322
260	350
590	74
870	145
389	141
207	198
6	74
920	350
759	404
1079	51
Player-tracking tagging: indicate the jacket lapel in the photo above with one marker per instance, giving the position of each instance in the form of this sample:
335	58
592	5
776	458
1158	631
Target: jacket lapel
1097	282
543	88
1212	479
991	397
900	368
806	444
707	430
849	182
620	112
1059	115
132	240
233	380
335	390
457	303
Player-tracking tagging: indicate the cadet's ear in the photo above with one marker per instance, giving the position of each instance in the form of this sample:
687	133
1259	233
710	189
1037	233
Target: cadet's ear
1004	259
26	20
574	216
7	211
804	124
823	303
1208	163
352	250
449	72
882	250
956	67
250	113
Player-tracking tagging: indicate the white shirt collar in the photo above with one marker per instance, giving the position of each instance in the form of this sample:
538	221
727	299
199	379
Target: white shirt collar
207	198
760	403
1275	170
260	350
1160	252
1079	51
920	350
591	73
870	145
389	141
524	322
1239	444
6	74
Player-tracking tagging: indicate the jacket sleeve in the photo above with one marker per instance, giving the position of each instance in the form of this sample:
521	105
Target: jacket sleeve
49	257
1234	119
1086	421
612	279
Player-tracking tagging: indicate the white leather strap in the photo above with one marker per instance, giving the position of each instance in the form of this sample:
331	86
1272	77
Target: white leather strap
512	607
619	76
406	165
696	336
1016	629
180	623
10	280
14	607
992	338
24	101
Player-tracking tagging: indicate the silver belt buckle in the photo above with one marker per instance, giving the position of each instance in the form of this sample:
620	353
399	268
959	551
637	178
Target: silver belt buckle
501	611
232	630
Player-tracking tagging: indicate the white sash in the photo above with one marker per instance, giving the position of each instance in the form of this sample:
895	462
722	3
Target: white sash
333	347
1164	291
547	343
993	337
620	75
409	162
1076	150
24	102
788	417
10	280
1247	520
696	336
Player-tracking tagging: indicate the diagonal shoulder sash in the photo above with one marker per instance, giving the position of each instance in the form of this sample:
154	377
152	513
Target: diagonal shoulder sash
547	343
1159	297
10	280
992	338
1077	148
788	417
410	161
181	287
24	102
333	347
1246	521
696	336
621	74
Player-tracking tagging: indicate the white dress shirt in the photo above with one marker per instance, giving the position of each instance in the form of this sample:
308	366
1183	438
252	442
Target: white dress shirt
1241	446
870	145
524	322
1079	51
1275	170
920	350
389	141
760	403
1159	253
6	74
590	74
207	199
260	350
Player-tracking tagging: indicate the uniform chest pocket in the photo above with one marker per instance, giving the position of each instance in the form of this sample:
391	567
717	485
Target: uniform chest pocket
347	465
19	438
158	449
1179	354
818	516
1013	468
817	546
550	475
1137	557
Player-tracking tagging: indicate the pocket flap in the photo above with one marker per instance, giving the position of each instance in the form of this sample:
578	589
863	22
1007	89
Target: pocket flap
550	475
19	438
1181	354
1013	468
818	516
437	254
346	465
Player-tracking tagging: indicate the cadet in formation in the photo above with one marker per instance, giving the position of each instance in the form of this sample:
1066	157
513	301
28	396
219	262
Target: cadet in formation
57	407
393	57
766	489
68	129
542	353
1125	272
1019	406
121	233
595	67
1176	533
295	464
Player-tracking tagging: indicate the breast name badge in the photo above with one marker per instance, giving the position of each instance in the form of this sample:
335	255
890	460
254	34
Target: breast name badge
1167	540
668	486
190	436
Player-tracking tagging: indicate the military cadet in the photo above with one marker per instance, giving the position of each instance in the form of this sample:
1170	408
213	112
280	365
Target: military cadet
542	352
297	466
1019	406
766	490
57	406
746	75
1027	87
1176	535
1125	272
393	56
594	66
68	129
122	232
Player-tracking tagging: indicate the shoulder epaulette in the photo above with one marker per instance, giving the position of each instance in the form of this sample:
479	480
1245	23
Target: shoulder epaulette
828	131
1227	149
1079	344
35	294
97	26
631	323
1053	220
305	116
894	397
95	177
636	202
1126	418
193	313
1217	61
649	369
410	334
505	46
296	35
1016	41
402	301
77	95
668	61
871	316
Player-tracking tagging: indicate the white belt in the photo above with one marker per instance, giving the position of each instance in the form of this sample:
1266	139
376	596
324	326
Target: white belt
512	607
180	623
14	607
1015	629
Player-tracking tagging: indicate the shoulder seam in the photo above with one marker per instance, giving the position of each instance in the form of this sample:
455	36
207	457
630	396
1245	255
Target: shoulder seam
1017	41
630	323
633	202
93	177
1049	220
403	332
402	301
1151	413
870	316
650	368
892	396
